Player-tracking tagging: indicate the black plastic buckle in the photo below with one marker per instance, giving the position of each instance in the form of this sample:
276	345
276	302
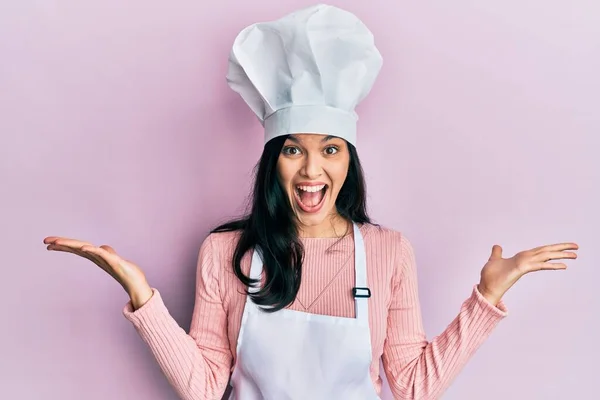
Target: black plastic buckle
356	289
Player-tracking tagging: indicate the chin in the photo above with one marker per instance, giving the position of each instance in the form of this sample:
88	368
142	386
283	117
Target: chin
311	220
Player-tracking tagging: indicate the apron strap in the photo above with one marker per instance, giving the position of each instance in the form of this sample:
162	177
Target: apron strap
360	292
255	268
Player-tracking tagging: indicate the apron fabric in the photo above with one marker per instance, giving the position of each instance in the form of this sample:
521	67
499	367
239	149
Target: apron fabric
293	355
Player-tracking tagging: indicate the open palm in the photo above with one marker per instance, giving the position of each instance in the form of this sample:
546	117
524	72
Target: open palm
500	274
128	274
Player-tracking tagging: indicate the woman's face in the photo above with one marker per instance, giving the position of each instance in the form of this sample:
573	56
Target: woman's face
312	169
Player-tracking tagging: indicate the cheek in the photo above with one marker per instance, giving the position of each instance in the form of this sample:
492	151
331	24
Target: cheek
285	174
338	176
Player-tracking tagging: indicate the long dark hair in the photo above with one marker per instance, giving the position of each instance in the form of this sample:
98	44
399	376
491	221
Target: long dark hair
271	226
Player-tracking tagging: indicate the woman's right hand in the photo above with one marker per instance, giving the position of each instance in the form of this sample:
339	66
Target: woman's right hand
130	276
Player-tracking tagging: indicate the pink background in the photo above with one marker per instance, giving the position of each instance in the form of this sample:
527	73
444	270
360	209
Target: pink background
117	127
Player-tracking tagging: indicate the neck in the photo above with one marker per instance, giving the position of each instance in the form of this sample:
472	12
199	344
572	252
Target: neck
333	227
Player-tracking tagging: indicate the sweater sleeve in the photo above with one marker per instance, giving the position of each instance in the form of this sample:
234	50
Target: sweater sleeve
197	364
416	368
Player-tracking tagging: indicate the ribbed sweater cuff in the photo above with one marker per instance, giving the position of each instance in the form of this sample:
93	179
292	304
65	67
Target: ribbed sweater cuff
152	312
500	310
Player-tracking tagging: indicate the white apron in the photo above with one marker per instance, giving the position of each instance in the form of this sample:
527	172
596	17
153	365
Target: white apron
295	355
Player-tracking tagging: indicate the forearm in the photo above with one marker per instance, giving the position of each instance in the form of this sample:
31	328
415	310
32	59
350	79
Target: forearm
185	364
425	370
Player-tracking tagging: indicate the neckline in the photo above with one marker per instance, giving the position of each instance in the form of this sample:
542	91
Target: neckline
347	236
310	239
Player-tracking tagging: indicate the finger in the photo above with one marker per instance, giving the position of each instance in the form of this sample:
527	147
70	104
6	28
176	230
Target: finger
92	257
554	255
66	249
53	239
50	239
73	243
548	266
557	247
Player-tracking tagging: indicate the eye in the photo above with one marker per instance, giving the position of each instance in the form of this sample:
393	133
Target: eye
331	150
290	150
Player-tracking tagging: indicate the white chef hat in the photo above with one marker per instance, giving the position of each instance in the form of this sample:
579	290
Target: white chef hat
305	72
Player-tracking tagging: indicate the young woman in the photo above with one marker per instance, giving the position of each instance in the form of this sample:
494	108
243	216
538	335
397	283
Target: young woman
301	298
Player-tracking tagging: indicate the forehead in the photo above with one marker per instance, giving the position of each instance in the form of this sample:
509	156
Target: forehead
311	138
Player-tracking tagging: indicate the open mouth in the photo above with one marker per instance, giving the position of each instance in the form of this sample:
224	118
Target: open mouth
310	198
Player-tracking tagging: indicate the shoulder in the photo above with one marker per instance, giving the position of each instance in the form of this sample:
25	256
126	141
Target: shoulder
221	245
390	244
215	259
381	235
223	240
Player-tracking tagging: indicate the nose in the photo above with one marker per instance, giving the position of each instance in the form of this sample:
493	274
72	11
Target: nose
312	168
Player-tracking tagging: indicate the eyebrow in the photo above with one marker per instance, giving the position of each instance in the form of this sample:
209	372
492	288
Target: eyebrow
325	139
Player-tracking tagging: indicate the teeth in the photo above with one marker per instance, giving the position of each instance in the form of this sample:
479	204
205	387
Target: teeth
310	188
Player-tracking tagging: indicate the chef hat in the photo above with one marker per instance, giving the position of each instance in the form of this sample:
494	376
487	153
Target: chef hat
305	72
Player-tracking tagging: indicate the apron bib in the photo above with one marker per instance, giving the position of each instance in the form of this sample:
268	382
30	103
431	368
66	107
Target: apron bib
295	355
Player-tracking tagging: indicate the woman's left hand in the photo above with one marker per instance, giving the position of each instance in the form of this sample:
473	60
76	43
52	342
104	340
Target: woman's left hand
499	274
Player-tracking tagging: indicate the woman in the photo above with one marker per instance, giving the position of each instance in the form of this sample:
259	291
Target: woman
302	297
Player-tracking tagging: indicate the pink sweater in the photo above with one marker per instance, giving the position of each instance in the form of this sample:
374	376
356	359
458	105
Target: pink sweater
198	365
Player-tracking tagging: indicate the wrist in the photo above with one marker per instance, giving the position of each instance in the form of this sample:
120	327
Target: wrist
489	296
140	294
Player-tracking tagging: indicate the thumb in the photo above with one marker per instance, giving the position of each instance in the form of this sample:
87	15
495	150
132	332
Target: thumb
496	252
108	248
